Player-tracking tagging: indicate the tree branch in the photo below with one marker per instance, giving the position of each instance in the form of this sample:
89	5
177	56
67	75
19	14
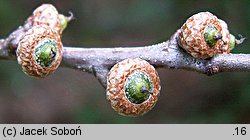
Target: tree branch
99	61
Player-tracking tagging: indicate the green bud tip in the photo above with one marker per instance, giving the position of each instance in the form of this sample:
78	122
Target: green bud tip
232	41
64	20
211	35
138	88
45	52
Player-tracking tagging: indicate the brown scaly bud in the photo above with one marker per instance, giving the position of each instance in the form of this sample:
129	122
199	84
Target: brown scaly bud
39	51
133	87
46	14
203	35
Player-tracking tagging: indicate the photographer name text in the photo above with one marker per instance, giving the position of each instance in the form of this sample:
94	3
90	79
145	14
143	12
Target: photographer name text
12	131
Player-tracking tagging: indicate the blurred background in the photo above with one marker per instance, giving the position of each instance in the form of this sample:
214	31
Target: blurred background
71	96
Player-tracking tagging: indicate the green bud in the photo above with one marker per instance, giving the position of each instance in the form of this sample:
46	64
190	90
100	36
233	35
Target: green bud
138	88
45	52
211	35
63	21
232	41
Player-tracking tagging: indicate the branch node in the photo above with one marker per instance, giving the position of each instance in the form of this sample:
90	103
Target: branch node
101	74
212	69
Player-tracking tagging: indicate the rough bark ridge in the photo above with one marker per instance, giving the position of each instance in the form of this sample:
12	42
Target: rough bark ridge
99	61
